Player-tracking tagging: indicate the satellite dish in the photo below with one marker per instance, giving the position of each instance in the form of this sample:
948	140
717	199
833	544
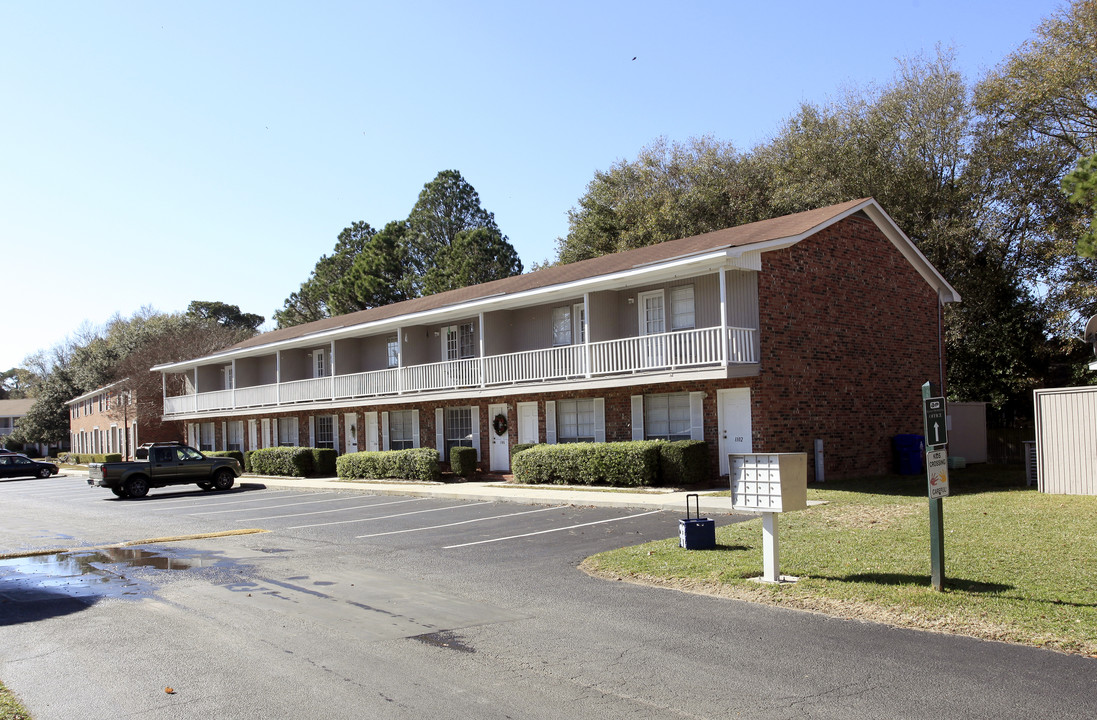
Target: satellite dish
1091	333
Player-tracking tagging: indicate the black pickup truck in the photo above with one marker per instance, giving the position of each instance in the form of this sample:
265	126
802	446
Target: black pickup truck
166	464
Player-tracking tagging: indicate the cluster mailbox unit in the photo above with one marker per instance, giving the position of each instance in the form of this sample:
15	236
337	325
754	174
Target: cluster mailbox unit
769	483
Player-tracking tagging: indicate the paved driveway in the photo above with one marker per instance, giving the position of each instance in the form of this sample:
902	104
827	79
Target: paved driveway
357	606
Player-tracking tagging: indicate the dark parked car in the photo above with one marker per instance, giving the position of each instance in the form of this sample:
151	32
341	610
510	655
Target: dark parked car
23	466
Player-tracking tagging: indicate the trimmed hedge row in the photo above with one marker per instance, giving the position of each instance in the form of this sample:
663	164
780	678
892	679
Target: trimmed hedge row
520	447
462	461
414	464
288	461
85	458
239	456
622	464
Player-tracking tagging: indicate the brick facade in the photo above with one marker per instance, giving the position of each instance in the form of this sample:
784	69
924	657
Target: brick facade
848	334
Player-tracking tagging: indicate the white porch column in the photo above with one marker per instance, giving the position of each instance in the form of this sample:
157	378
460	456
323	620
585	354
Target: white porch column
278	377
586	334
233	386
723	317
333	371
481	350
400	340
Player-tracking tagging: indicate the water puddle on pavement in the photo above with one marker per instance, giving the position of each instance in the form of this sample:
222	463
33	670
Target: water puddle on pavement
129	572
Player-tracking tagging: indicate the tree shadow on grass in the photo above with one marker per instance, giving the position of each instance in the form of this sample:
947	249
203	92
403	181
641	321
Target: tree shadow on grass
956	584
975	479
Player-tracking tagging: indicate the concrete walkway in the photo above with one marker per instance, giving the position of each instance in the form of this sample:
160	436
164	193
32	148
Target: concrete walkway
506	492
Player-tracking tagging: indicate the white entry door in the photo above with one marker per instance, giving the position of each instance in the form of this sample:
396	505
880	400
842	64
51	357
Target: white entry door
350	427
734	424
266	432
527	422
253	435
500	443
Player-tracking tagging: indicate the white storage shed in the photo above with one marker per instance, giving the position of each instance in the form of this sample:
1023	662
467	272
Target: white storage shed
1066	440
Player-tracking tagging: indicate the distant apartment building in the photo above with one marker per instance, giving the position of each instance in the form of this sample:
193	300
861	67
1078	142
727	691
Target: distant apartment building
106	420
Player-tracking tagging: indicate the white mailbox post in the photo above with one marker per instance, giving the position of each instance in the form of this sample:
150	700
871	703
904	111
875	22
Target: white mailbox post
769	483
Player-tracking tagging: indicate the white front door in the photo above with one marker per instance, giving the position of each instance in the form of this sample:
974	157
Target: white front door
266	432
350	427
253	435
500	443
527	422
733	408
652	322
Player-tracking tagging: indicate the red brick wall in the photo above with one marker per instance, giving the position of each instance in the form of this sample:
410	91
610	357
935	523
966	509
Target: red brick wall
848	335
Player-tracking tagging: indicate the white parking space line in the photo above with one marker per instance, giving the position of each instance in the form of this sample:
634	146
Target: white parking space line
386	517
322	512
543	532
221	503
462	522
272	507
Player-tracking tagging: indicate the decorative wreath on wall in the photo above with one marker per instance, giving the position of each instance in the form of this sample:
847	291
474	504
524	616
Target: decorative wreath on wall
499	424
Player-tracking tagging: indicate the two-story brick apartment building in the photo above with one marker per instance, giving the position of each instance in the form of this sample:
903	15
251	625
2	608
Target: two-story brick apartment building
763	337
106	420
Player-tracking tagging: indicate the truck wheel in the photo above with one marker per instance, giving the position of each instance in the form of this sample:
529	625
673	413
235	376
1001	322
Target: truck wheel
137	487
224	479
44	473
119	492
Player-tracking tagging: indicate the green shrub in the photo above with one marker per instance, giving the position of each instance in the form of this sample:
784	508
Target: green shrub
416	464
623	464
85	458
323	462
247	460
236	454
287	461
520	447
462	461
684	462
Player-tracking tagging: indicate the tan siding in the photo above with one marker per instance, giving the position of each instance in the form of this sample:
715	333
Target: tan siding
604	315
1066	438
742	292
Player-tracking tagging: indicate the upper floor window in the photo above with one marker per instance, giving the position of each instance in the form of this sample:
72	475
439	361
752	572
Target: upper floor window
682	316
561	325
394	351
458	342
226	377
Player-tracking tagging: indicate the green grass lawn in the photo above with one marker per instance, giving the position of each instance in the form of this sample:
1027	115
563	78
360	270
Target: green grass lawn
1019	566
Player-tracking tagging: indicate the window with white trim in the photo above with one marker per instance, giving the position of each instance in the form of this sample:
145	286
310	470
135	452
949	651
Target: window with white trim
287	432
575	420
666	417
561	325
393	344
458	428
319	366
236	435
206	436
458	341
325	431
401	427
682	316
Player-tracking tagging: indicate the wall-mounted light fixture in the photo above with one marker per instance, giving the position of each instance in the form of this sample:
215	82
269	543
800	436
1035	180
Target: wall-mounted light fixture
632	301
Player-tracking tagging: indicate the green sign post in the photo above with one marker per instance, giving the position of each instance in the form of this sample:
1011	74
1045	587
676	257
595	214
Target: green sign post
936	436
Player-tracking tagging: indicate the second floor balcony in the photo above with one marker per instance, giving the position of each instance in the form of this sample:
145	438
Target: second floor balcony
710	347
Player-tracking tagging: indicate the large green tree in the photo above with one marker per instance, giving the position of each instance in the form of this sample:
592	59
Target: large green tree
313	300
447	207
379	274
226	315
476	256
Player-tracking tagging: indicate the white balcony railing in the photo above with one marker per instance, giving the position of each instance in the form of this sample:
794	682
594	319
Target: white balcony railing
650	353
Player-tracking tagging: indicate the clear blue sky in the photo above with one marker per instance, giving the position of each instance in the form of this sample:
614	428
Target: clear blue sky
156	153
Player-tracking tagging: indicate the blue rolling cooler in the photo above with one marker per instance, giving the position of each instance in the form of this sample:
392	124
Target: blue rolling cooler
696	533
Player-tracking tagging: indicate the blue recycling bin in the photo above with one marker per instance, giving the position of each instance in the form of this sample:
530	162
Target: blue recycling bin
909	452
